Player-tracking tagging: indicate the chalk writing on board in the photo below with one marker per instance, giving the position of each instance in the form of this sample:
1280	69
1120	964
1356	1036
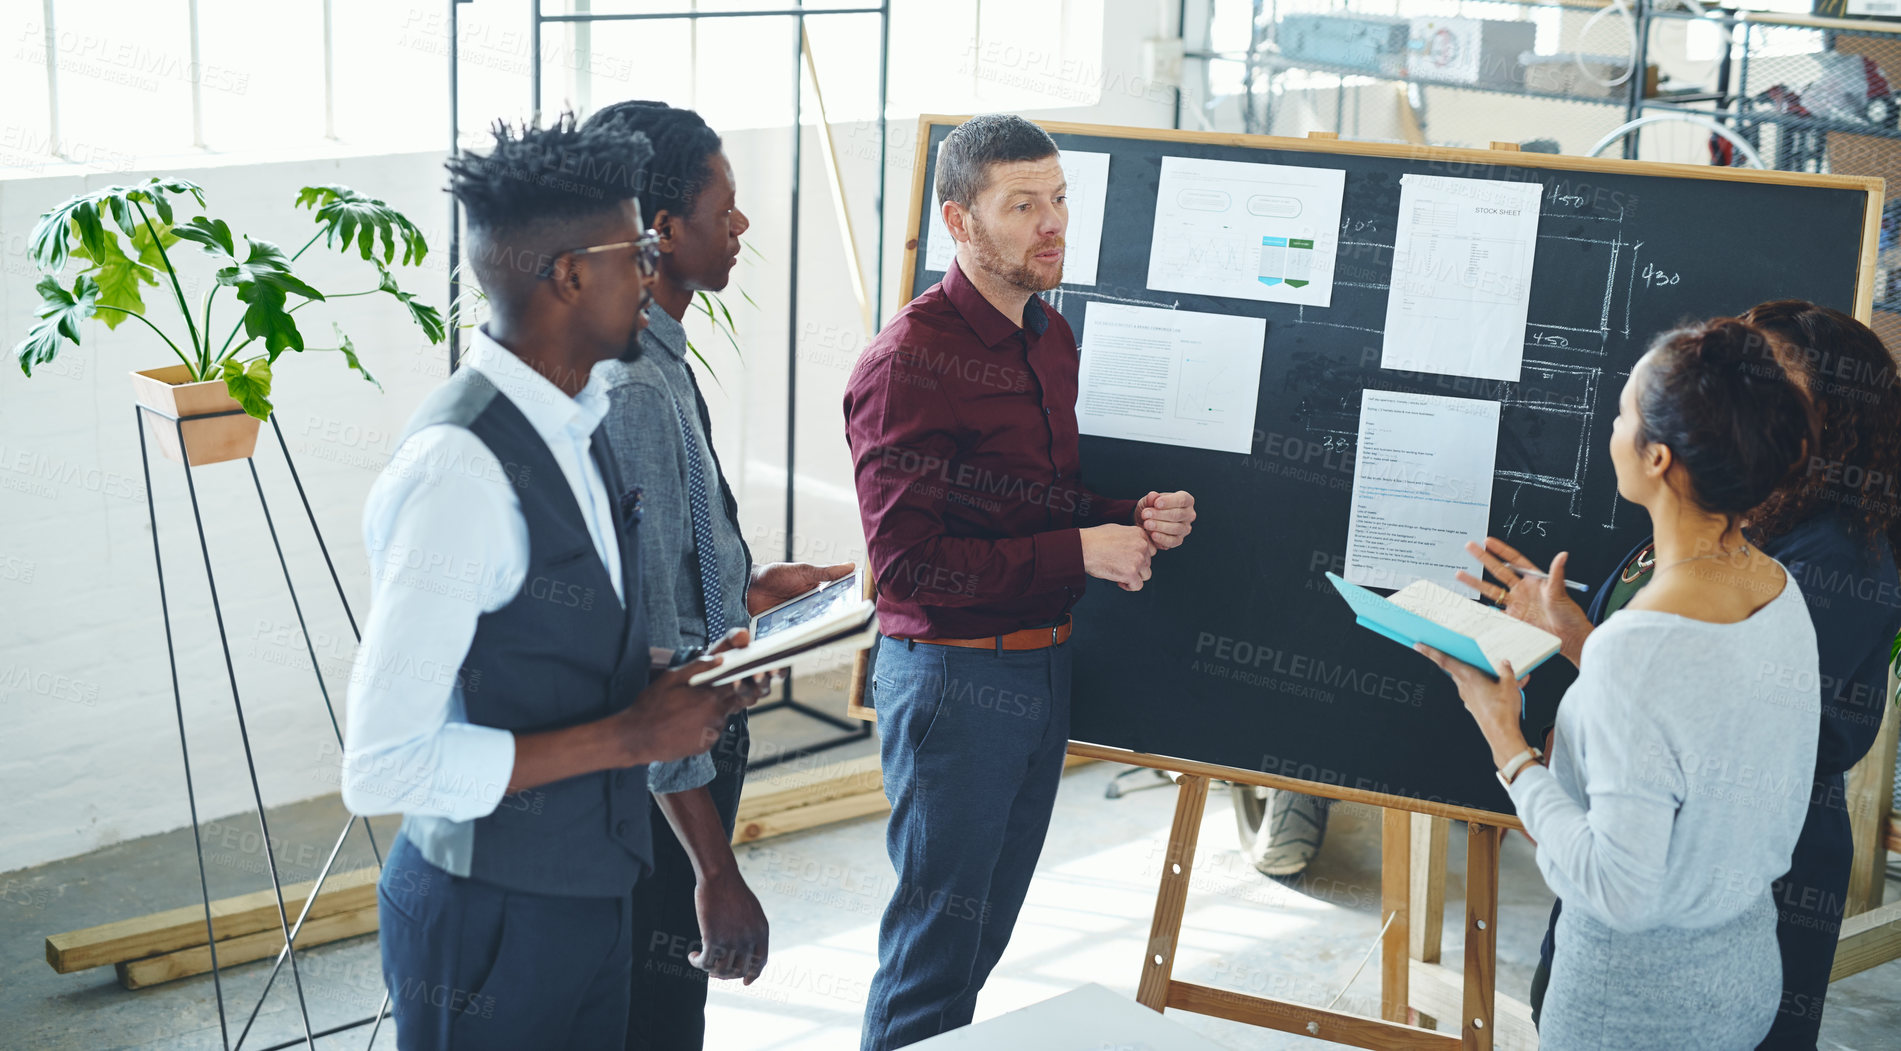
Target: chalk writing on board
1519	526
1655	278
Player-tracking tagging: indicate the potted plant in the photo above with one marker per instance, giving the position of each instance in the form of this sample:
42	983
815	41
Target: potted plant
213	375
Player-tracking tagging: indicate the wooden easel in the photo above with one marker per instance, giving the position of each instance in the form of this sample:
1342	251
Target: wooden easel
1159	989
1414	832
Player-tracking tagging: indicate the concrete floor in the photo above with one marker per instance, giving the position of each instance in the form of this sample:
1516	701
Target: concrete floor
1086	920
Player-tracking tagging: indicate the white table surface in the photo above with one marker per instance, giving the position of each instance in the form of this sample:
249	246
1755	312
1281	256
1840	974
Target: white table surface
1091	1018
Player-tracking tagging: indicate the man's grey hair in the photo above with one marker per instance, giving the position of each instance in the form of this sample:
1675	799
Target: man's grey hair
964	160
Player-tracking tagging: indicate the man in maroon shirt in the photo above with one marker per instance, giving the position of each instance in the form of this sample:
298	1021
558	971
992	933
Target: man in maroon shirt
961	417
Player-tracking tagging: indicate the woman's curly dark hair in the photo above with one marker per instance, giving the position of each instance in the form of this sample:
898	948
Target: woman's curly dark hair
1716	396
1851	378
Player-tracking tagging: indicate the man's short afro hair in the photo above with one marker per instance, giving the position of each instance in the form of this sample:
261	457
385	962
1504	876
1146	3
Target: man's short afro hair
551	175
683	151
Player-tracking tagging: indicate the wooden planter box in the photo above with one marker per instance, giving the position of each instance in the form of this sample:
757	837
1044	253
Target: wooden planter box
213	439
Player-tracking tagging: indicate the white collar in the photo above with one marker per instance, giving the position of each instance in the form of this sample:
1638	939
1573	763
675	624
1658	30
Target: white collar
554	415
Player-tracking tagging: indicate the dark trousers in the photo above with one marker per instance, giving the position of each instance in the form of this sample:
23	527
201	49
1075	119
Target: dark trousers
1809	904
667	998
1809	901
473	967
972	743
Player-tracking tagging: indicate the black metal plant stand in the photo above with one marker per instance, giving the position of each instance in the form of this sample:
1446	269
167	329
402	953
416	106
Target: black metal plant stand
286	924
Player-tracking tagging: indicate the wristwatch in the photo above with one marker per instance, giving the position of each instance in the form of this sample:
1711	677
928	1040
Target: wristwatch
1516	765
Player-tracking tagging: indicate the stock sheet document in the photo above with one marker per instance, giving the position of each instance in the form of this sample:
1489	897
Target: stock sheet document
1422	487
1461	276
1246	231
1175	377
1087	176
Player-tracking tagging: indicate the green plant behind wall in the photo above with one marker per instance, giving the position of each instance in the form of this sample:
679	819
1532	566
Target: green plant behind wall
88	228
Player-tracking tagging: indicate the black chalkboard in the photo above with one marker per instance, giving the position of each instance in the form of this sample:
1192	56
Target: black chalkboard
1238	652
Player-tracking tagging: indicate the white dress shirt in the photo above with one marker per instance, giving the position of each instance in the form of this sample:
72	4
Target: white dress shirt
447	543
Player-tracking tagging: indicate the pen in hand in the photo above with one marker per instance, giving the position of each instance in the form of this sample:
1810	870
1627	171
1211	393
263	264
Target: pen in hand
1542	575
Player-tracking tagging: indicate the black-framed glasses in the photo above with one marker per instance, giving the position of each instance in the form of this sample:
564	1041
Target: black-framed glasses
648	258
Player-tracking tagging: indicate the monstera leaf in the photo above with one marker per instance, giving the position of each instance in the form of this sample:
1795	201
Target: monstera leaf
347	215
349	355
263	282
421	313
83	217
151	246
250	385
60	314
213	234
118	277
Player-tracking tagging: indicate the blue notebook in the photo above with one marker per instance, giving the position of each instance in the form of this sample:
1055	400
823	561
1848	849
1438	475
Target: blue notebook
1407	627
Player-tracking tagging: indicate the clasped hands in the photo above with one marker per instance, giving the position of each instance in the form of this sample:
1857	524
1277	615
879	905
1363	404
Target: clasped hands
1121	553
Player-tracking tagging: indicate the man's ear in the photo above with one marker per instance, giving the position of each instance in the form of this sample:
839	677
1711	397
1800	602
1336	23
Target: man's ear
664	224
957	220
566	278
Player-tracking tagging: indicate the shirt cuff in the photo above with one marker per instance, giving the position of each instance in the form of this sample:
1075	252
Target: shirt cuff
461	774
1529	792
1116	512
1059	561
489	749
681	775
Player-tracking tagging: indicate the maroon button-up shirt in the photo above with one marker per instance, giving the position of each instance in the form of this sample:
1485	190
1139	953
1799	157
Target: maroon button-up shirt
963	439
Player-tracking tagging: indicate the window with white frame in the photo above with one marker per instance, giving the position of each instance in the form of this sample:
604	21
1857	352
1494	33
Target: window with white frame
110	84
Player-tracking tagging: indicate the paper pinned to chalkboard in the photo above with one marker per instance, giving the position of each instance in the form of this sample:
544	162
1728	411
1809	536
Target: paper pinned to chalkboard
1461	287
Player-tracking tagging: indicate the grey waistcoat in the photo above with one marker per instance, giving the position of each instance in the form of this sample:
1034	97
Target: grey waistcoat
563	651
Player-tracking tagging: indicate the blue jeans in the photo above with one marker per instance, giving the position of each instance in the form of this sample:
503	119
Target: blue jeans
972	743
471	966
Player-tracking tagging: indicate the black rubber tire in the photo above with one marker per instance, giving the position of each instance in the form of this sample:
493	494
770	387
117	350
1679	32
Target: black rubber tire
1254	816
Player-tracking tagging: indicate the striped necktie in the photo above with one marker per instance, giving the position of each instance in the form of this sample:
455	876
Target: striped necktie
711	599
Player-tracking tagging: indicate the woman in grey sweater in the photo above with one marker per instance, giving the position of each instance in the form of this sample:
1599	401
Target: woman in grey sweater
1681	763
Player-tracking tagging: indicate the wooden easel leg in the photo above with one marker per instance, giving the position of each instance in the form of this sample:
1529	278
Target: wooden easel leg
1870	799
1428	898
1171	901
1395	894
1429	836
1481	934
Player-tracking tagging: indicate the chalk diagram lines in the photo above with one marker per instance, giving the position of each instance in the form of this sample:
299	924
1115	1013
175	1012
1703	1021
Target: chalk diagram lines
1055	297
1564	395
1549	415
1552	407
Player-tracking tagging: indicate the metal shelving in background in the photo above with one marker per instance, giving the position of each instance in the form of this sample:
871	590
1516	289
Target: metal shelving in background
1710	84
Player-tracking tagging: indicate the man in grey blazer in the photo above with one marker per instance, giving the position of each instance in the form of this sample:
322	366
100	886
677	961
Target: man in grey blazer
694	916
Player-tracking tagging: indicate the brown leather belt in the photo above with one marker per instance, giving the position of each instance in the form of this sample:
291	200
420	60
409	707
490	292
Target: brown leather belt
1027	639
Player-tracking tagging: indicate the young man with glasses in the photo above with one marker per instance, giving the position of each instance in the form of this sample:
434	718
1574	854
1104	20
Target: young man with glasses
501	698
962	421
695	916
